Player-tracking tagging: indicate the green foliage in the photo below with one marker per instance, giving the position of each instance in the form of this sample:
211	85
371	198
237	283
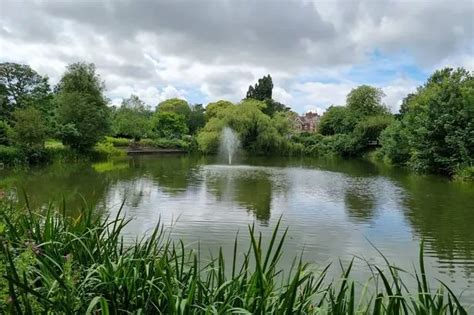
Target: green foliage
465	174
366	101
175	105
273	107
262	89
337	119
166	124
370	128
5	132
22	87
81	77
62	265
107	150
395	143
213	109
118	142
437	128
29	130
164	143
196	119
10	155
83	115
132	119
257	131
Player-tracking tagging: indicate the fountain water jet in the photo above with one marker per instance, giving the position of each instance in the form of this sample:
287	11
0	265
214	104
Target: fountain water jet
229	143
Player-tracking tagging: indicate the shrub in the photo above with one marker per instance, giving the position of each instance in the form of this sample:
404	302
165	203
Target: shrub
29	130
465	174
395	144
10	155
169	125
107	150
370	128
5	132
118	142
164	143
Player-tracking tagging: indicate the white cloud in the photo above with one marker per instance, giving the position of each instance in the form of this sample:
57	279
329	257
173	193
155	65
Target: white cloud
322	95
396	91
281	95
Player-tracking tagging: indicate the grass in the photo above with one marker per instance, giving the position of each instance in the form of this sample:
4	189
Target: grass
56	264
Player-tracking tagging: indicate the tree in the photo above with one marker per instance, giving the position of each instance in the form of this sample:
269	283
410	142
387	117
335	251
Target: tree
4	133
337	120
262	89
273	107
437	126
131	119
197	118
366	101
258	133
29	131
370	128
175	105
213	109
169	125
20	87
83	115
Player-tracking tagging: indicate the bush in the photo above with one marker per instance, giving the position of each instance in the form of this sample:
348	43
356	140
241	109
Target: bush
370	128
395	144
164	143
10	155
29	130
436	132
337	119
5	132
465	174
107	150
118	142
169	125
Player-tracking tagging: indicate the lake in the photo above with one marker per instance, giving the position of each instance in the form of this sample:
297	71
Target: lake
334	208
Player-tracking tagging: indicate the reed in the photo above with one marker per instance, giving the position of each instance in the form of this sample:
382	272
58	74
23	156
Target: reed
56	264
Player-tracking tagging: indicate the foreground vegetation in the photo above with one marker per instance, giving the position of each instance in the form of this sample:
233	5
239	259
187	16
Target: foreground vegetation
55	264
433	132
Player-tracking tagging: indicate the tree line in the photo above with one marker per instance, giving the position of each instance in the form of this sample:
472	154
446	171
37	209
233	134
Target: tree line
433	132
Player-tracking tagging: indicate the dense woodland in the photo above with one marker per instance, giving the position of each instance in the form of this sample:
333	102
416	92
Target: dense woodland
433	132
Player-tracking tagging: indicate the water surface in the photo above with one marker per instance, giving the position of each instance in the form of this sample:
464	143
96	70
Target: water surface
333	208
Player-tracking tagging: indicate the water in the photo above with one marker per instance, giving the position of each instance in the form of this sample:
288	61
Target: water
229	143
333	207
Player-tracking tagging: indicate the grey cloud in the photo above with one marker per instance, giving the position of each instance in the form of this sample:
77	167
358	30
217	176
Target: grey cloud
285	36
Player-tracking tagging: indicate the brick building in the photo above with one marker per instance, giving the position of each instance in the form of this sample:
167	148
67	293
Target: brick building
308	122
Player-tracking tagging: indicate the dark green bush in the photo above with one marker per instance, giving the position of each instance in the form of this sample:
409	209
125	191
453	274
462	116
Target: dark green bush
5	132
10	155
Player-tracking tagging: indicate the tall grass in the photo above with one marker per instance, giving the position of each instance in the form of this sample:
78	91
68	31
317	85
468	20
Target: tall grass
57	264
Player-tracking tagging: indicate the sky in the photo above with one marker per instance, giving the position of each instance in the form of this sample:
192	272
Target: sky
204	51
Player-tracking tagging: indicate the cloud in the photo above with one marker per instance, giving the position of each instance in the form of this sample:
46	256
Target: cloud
219	48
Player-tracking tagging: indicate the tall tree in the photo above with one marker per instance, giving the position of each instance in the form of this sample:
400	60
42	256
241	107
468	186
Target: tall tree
83	114
262	89
437	128
169	125
20	87
175	105
131	119
366	100
197	119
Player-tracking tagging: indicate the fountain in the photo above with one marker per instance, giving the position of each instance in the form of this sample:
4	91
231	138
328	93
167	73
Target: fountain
229	143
